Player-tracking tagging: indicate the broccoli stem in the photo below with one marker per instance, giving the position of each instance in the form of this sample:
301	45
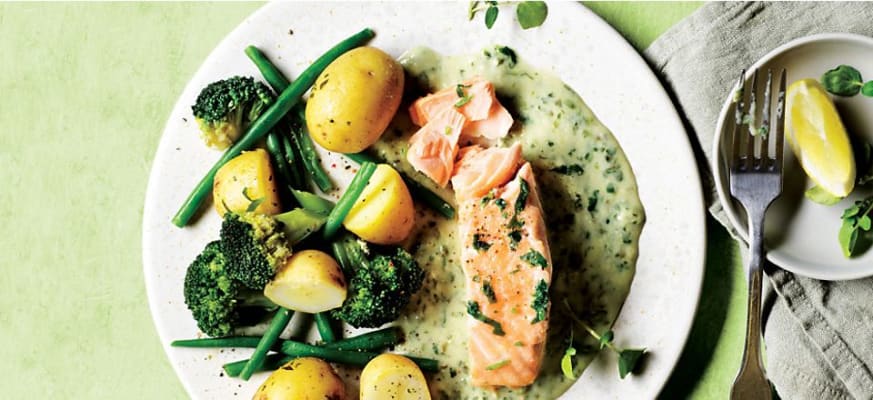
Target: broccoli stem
419	191
309	156
325	327
286	100
299	223
313	203
348	199
277	325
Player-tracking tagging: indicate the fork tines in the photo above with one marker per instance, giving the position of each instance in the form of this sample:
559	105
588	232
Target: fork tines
744	156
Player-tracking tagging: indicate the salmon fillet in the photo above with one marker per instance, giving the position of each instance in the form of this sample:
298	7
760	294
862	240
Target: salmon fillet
432	149
476	100
506	260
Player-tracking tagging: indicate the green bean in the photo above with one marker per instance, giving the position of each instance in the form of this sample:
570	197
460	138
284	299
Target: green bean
356	358
271	362
375	340
274	147
348	199
277	325
286	100
271	74
230	341
309	156
325	327
293	159
418	191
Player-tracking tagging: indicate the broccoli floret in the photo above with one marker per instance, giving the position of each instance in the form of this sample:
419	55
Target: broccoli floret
225	108
379	289
255	246
219	303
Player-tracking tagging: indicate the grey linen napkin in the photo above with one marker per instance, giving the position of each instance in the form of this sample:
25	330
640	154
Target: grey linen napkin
818	335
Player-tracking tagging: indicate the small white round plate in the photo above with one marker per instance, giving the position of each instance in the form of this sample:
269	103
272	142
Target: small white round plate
574	44
800	235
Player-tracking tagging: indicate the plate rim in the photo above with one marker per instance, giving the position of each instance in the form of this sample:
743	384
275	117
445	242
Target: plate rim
662	97
717	162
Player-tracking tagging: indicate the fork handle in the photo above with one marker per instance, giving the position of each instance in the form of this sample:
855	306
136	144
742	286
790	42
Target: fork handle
751	381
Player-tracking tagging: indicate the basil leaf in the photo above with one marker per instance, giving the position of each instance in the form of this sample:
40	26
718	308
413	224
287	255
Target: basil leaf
491	16
820	196
847	237
627	361
864	223
531	14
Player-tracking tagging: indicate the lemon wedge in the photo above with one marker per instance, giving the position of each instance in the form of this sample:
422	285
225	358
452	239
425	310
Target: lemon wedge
392	376
818	138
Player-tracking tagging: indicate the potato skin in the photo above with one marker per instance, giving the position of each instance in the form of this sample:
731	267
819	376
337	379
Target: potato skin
354	99
393	376
250	171
305	378
310	281
384	213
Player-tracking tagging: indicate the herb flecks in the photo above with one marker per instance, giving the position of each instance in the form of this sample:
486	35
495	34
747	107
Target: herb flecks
535	259
475	312
569	169
498	365
540	302
523	192
480	244
488	291
514	239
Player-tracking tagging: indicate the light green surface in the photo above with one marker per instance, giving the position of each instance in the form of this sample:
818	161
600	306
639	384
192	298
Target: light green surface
86	89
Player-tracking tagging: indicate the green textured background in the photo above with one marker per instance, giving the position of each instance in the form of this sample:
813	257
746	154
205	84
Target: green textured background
85	90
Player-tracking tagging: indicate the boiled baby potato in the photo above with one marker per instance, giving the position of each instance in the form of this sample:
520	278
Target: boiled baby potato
244	179
305	378
310	281
392	376
384	213
354	99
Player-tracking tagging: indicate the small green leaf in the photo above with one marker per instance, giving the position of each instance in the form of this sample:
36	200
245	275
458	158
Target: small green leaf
531	14
497	365
474	8
821	196
254	204
606	338
851	211
847	237
864	223
842	81
464	100
567	362
627	361
491	16
867	89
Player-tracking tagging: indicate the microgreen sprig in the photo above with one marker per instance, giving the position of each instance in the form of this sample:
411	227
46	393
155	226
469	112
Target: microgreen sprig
628	359
855	232
530	14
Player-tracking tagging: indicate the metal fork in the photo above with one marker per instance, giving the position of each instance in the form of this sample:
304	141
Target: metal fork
756	180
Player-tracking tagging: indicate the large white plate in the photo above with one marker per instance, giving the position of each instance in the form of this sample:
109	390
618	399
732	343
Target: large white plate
576	45
801	235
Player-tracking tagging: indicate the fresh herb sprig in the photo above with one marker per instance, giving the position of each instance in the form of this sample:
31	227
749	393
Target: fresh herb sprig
846	81
855	233
628	359
530	14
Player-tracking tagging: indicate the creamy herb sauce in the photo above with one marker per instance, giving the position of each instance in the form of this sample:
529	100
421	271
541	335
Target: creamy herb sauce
591	206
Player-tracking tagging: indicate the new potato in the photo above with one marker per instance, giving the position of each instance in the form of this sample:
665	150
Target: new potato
384	213
246	178
310	281
305	378
354	99
392	376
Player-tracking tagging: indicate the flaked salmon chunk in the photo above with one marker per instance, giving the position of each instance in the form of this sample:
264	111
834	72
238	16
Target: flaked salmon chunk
507	264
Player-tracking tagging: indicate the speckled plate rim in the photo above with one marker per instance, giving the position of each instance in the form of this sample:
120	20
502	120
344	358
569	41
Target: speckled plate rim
662	303
777	257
